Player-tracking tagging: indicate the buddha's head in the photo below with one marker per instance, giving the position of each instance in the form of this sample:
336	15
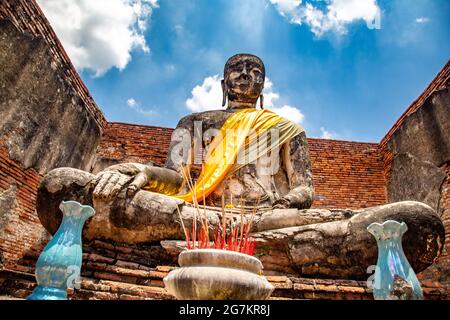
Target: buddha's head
243	81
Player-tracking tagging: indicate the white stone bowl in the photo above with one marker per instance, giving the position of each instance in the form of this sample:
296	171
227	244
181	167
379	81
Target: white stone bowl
212	274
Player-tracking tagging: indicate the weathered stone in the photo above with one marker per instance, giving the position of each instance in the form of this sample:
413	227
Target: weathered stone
311	249
331	243
284	218
424	185
114	277
44	122
98	258
424	133
59	185
126	264
156	283
21	293
303	287
136	290
282	285
104	245
8	204
91	285
96	265
420	146
327	288
352	289
345	249
157	274
104	296
122	249
129	297
128	272
277	278
81	294
165	268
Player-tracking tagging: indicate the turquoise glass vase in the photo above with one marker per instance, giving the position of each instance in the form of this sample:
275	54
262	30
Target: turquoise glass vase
59	264
394	277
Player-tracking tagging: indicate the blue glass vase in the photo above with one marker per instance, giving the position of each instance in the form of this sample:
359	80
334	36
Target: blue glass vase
394	277
59	264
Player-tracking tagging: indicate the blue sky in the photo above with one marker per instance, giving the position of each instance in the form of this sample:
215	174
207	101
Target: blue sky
327	68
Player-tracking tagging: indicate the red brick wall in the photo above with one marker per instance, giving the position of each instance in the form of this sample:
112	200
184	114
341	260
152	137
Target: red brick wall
346	174
445	207
135	143
21	229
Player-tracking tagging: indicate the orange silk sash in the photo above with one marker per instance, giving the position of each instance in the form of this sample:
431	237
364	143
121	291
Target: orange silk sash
240	130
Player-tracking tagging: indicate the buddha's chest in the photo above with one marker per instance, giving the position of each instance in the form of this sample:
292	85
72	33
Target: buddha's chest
254	183
251	185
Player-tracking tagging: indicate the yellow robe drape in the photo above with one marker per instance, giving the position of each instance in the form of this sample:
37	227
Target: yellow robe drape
239	135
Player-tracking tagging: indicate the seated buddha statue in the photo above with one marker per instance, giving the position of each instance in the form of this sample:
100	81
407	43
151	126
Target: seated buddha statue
242	158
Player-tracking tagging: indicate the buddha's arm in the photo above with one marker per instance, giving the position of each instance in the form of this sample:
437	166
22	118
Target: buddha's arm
297	164
180	153
110	181
135	176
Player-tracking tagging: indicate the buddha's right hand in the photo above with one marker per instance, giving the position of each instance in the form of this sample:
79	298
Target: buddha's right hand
107	184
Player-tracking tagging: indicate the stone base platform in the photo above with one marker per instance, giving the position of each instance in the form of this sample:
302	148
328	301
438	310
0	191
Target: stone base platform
15	284
121	272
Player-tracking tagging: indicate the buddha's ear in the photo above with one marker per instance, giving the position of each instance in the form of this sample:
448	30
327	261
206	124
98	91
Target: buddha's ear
224	92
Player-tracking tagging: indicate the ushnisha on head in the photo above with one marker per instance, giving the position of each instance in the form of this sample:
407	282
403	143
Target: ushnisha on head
243	82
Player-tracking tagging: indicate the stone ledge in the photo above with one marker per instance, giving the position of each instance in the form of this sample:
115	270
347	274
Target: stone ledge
20	285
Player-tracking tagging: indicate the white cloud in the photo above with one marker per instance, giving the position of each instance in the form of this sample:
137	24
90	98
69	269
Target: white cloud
335	16
286	7
208	96
327	134
288	112
131	102
422	20
270	97
134	105
100	34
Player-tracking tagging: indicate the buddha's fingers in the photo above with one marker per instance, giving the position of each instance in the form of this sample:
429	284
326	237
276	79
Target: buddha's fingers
112	182
118	186
103	179
138	182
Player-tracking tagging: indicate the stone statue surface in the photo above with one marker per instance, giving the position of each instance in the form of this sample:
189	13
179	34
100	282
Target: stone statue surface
134	202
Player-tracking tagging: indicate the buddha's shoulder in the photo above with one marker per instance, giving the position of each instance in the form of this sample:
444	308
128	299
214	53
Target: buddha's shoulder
204	116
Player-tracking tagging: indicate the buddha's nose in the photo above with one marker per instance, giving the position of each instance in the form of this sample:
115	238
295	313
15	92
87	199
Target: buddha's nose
244	74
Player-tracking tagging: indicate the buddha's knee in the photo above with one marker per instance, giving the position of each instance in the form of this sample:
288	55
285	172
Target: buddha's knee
422	243
345	248
59	185
416	215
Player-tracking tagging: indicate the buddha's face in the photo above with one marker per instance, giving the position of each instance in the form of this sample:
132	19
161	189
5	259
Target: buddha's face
244	79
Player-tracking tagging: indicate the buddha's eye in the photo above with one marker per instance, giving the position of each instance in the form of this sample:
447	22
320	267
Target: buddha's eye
256	72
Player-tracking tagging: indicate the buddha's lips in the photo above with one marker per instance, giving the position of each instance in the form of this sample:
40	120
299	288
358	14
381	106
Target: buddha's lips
244	87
